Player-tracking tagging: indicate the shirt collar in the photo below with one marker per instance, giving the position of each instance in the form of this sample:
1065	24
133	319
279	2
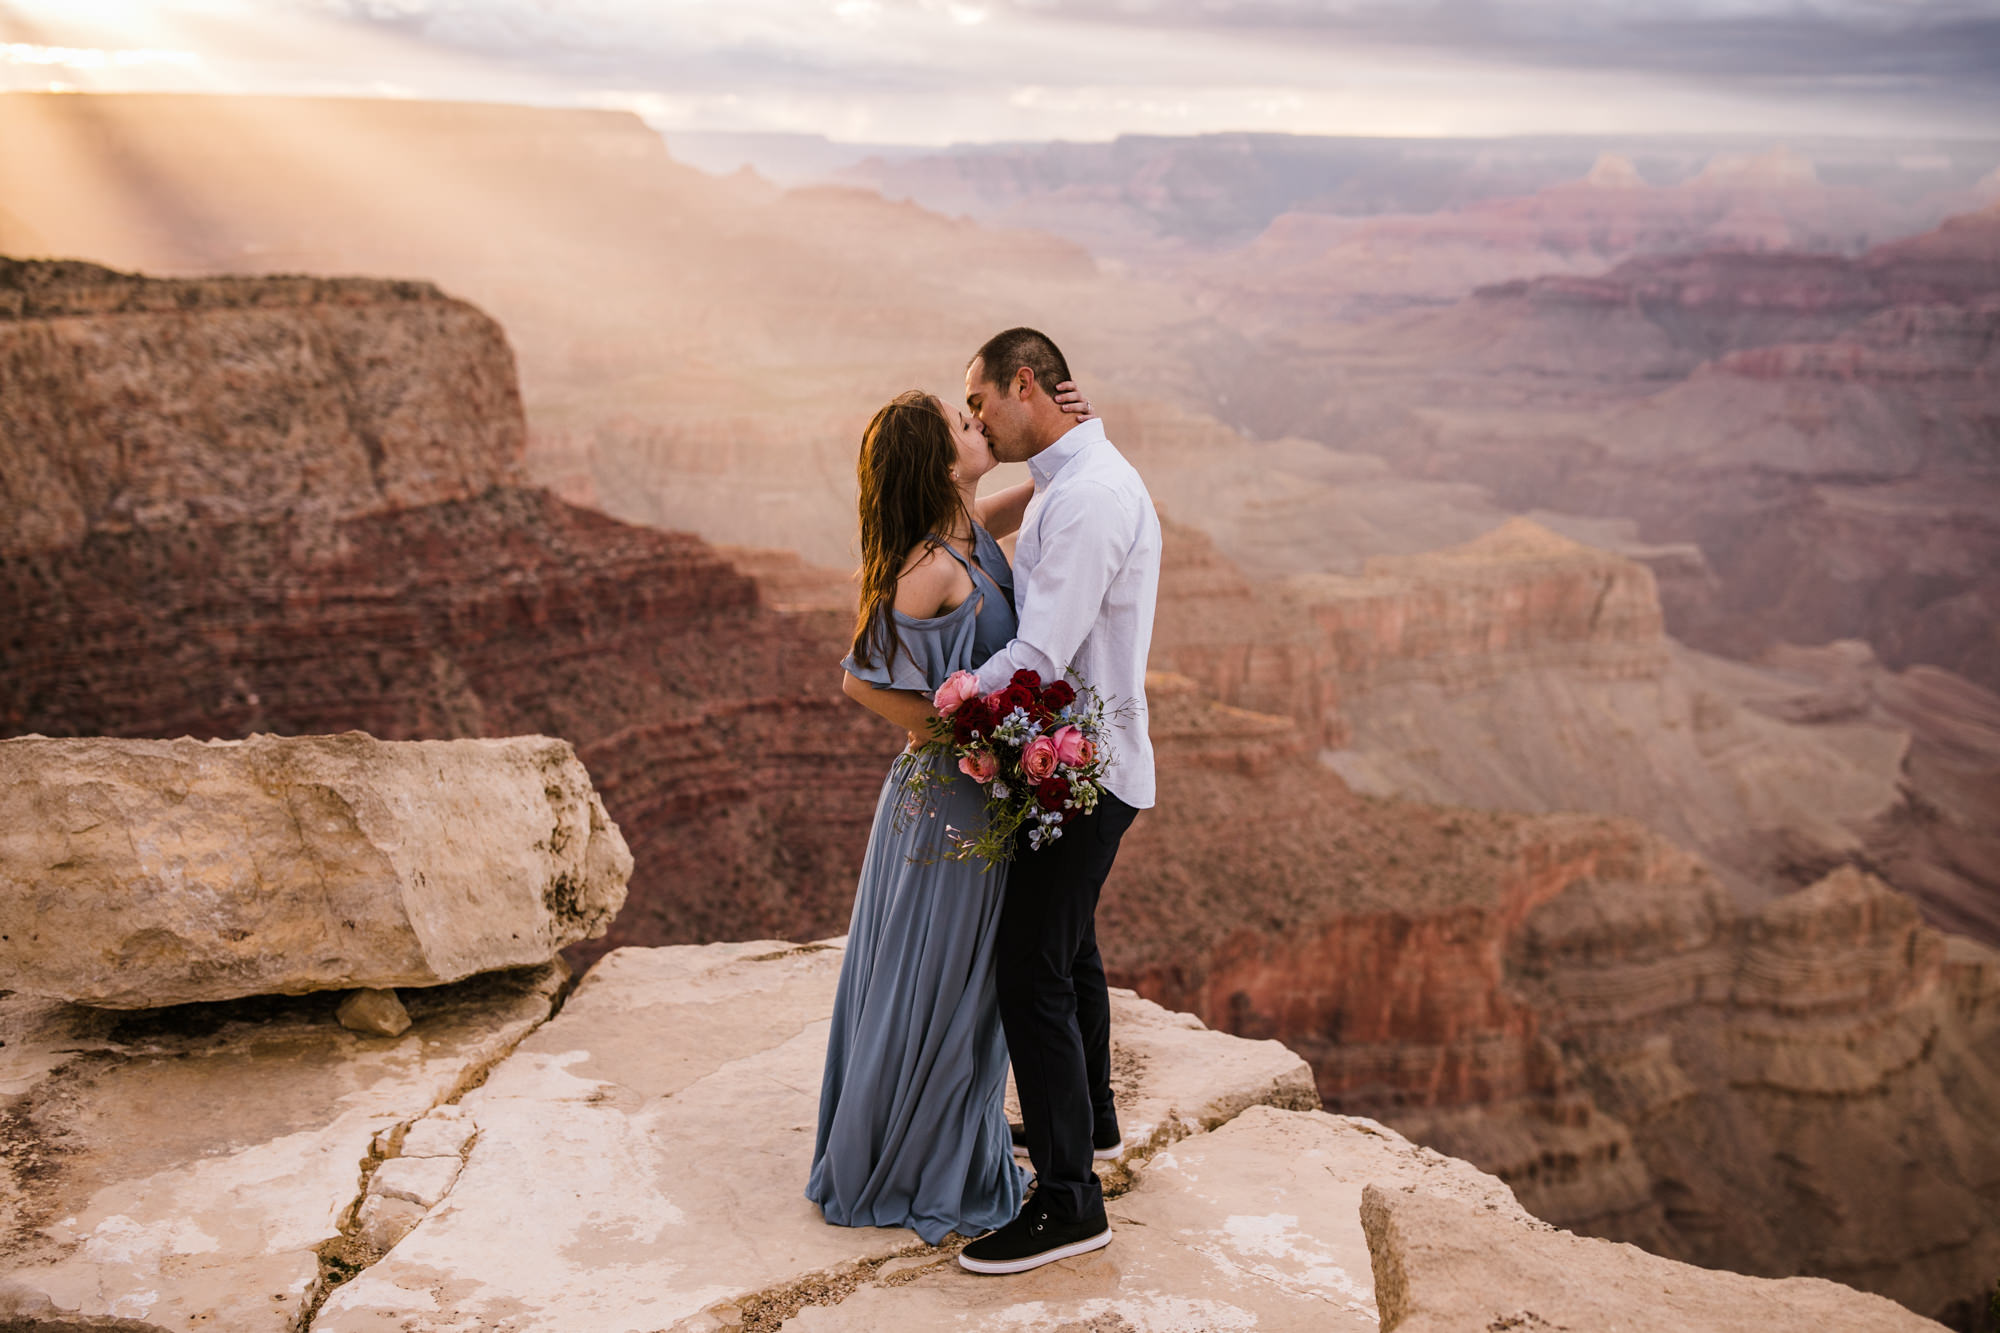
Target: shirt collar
1044	465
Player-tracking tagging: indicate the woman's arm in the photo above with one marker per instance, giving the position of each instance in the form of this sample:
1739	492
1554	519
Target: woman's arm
908	709
923	588
1000	513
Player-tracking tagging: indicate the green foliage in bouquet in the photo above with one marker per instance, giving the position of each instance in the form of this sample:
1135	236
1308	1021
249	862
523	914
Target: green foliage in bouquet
1037	750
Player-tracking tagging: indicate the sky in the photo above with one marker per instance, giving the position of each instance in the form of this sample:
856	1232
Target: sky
940	71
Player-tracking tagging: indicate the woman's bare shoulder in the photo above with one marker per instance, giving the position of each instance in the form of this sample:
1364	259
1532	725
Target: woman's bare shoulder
928	579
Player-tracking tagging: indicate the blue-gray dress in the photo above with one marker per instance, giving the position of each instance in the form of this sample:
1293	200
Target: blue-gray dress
912	1132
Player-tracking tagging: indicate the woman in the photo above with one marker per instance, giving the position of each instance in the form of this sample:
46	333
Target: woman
911	1127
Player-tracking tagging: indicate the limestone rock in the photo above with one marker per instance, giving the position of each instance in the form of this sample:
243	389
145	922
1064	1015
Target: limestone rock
659	1133
423	1181
376	1011
1254	1226
142	873
383	1221
187	1167
1442	1267
445	1132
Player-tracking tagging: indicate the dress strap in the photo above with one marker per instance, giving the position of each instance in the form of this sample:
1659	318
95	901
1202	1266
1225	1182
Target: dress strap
950	550
973	569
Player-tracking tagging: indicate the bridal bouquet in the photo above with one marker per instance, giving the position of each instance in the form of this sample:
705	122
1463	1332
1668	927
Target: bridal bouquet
1037	749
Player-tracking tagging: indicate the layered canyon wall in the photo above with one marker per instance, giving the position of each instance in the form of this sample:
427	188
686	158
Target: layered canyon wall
112	420
1579	1006
310	520
1821	428
1525	671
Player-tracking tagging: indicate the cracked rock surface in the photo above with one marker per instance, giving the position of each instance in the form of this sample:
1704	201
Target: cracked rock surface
184	1168
1253	1226
141	873
658	1134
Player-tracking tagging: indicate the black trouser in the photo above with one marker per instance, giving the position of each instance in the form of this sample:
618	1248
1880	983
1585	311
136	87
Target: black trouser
1054	1006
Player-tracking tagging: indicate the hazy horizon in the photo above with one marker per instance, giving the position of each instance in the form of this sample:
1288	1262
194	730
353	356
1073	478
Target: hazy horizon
931	73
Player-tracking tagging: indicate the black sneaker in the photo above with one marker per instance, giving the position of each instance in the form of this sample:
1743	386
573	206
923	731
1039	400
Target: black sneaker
1032	1239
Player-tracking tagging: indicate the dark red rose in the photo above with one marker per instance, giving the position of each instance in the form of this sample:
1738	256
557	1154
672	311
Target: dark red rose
1020	696
1028	680
972	716
1059	694
1050	793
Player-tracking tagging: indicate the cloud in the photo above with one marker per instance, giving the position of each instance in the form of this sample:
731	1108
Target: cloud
937	70
1918	41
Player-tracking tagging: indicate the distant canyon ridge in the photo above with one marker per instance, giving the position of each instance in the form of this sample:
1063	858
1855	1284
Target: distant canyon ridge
1576	734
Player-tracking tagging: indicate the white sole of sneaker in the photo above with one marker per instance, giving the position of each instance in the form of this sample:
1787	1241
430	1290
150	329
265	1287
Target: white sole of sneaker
1022	1265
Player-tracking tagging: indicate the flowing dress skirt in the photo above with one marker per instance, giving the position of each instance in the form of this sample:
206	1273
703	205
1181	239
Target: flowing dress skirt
912	1130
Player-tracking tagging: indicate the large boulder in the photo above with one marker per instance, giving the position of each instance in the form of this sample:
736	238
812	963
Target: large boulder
137	873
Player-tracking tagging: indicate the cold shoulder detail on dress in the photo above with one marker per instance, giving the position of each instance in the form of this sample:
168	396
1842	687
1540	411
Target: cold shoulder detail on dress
929	648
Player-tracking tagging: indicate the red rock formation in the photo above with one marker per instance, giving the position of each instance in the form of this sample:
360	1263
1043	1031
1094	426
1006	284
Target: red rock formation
1517	596
302	591
392	396
1821	428
1240	642
1942	846
1576	1005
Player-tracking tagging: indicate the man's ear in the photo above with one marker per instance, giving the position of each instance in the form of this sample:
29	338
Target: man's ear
1024	383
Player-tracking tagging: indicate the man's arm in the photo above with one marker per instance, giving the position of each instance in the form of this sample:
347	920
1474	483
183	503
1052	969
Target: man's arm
1086	531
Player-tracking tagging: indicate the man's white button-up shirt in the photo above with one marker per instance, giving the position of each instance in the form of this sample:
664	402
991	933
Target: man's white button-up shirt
1086	573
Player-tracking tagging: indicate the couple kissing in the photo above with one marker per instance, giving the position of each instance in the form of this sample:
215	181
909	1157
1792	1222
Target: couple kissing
954	969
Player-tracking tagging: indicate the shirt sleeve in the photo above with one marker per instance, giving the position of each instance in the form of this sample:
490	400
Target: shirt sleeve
1086	531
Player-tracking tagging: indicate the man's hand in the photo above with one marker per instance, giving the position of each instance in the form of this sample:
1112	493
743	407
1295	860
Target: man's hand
1071	400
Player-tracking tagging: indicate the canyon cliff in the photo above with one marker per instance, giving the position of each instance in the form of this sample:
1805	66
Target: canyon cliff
1579	1006
1526	671
311	520
1382	936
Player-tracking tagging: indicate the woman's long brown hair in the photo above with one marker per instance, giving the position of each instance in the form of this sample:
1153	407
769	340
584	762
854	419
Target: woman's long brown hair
907	495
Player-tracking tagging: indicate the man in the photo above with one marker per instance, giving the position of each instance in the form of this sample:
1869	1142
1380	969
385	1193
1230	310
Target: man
1087	568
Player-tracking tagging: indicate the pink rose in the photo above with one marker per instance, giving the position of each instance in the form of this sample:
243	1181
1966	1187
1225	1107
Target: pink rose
1073	748
999	703
982	766
1039	759
957	688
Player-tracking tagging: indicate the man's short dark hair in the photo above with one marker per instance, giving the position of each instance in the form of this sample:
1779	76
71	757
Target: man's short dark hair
1005	353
